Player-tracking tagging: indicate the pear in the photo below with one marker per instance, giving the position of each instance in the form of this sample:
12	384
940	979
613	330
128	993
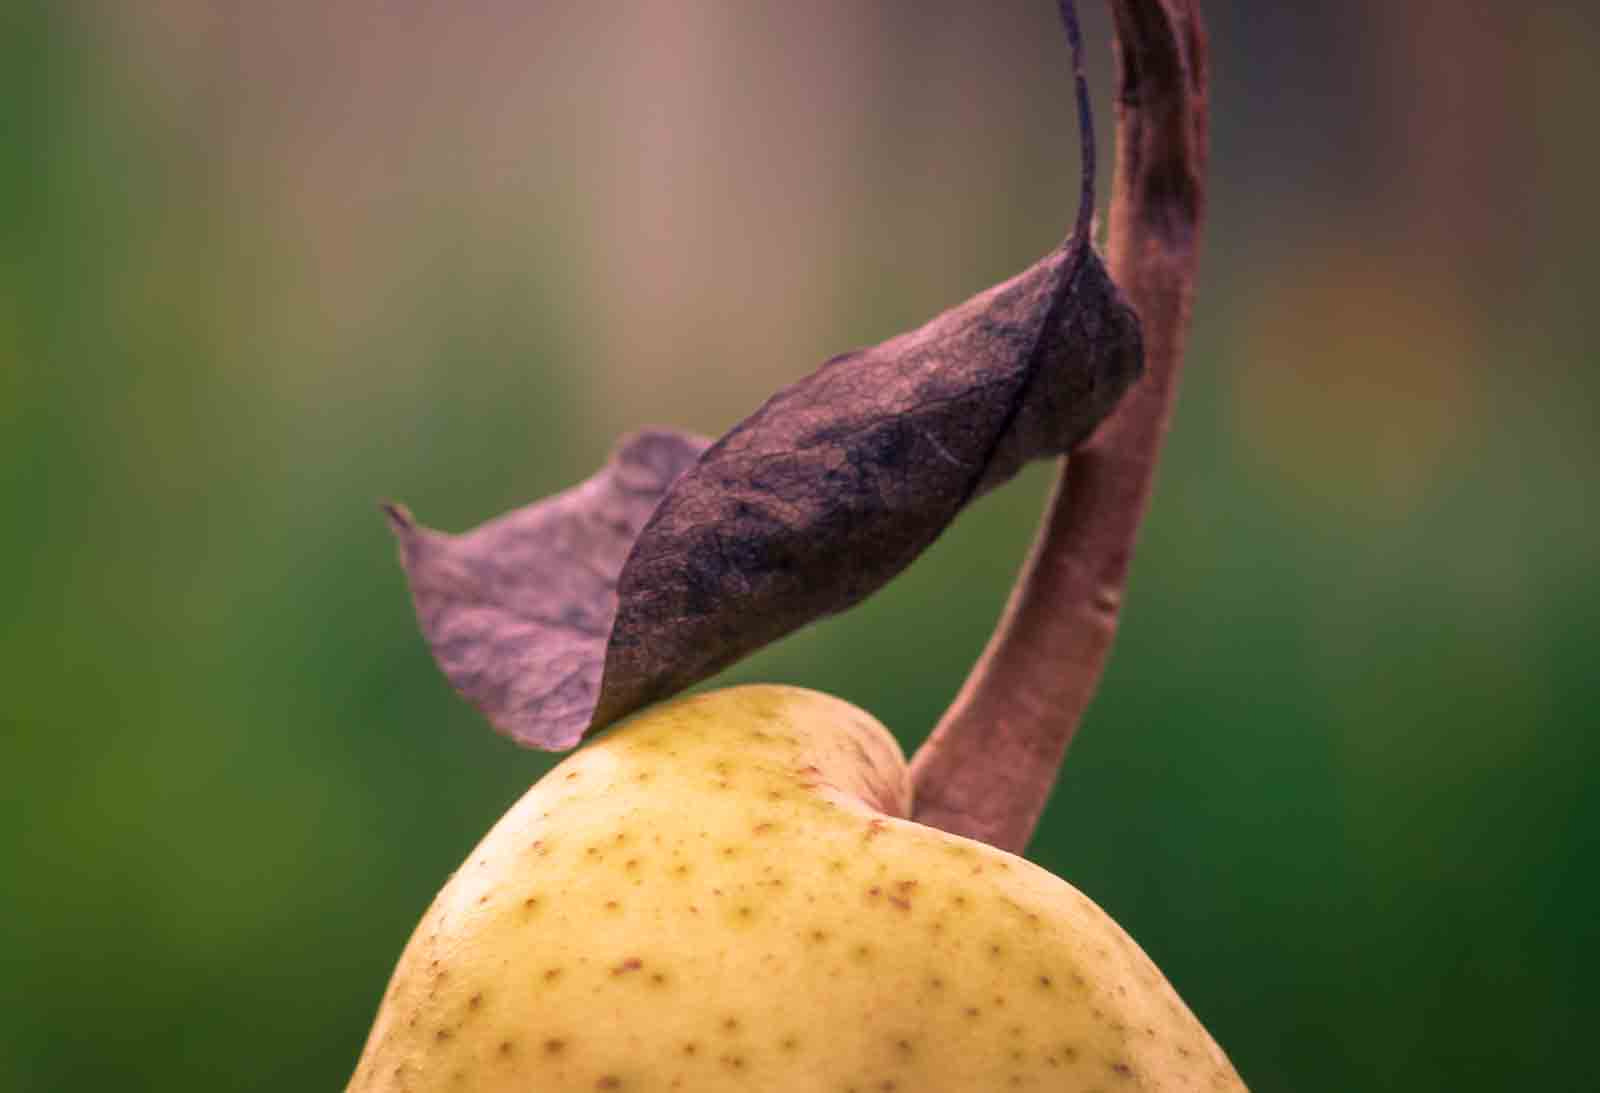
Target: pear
724	894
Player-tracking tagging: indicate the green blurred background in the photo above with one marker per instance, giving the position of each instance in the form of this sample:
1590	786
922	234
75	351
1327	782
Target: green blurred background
263	265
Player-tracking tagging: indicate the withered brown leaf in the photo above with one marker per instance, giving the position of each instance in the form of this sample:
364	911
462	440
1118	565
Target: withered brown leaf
676	559
835	485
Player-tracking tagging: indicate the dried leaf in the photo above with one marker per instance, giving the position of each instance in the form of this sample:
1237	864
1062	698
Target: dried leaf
835	485
565	616
569	614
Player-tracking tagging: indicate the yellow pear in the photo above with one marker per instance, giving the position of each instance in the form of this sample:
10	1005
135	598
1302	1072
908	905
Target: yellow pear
724	894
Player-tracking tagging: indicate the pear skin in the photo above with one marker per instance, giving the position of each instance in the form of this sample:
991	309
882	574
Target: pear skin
723	894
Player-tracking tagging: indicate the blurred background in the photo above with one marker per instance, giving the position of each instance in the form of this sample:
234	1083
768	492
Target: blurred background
262	265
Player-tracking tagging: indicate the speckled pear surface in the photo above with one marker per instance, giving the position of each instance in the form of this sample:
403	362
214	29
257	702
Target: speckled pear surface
719	895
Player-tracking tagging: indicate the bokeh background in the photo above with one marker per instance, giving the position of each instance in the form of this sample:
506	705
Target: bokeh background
262	265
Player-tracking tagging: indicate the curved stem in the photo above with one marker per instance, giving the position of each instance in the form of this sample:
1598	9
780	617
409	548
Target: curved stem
987	769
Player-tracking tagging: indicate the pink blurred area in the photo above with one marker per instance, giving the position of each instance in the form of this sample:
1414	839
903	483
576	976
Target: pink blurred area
720	195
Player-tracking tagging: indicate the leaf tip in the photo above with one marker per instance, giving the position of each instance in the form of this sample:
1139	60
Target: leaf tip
401	522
